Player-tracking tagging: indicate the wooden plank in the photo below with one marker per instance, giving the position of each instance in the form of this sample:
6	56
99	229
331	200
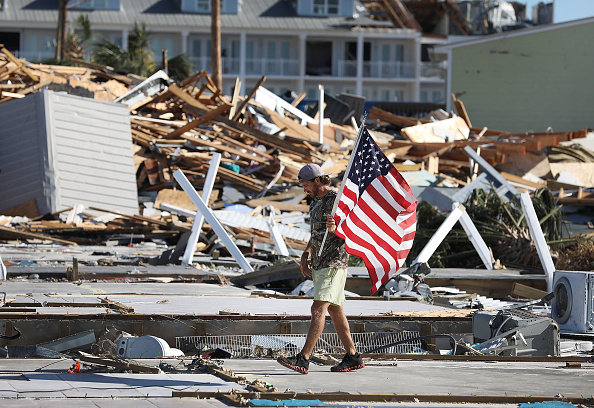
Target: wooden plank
31	235
527	292
511	148
235	98
203	119
360	397
279	205
454	129
111	304
246	155
461	110
119	364
245	181
132	217
247	98
20	64
187	98
265	138
520	180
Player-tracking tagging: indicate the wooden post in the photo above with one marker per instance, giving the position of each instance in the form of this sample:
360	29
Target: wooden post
8	331
74	275
138	328
165	62
426	330
200	328
286	328
215	52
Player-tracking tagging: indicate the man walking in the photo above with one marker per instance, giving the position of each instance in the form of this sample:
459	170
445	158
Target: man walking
328	272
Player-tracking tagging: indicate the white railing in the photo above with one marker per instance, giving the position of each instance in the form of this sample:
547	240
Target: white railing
433	70
199	63
346	68
269	66
253	66
35	56
392	69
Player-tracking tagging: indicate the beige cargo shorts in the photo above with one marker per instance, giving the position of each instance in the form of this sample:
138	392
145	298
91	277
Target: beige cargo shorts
329	285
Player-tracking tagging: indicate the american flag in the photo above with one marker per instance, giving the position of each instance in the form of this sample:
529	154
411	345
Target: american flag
376	212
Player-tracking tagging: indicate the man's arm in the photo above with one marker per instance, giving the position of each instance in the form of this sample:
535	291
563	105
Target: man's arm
304	265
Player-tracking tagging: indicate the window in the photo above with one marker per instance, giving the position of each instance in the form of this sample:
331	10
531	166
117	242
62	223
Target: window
197	48
399	96
285	50
97	5
424	96
437	97
203	6
325	7
400	53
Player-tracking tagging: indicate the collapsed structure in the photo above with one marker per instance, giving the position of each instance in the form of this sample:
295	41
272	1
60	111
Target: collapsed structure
261	141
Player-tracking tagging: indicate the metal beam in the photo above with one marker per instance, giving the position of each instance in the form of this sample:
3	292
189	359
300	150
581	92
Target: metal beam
539	239
439	235
500	183
212	220
477	241
199	219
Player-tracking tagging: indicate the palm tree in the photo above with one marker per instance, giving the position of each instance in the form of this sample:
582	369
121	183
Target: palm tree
138	59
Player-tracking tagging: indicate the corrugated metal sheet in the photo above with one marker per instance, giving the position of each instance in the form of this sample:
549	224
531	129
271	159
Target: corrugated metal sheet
64	150
254	14
237	219
93	153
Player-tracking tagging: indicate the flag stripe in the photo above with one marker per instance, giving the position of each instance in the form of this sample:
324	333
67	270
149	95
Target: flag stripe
376	214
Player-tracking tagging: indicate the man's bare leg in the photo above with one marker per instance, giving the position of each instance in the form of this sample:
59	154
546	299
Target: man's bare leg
341	325
316	327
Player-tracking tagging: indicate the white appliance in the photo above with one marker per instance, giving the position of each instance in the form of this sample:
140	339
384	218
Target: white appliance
145	347
573	304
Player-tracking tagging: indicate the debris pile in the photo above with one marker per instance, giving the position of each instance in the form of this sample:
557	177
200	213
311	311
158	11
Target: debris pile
19	78
264	140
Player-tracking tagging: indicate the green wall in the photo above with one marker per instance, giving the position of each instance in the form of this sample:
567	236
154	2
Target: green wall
529	82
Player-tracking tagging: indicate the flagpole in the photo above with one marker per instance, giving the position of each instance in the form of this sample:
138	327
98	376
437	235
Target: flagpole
344	177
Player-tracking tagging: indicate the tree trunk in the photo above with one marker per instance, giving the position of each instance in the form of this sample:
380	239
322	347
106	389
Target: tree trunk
215	52
62	29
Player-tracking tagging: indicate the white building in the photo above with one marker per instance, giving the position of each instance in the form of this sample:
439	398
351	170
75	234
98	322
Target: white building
296	44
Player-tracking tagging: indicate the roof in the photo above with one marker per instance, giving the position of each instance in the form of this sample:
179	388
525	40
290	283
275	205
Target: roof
512	34
256	15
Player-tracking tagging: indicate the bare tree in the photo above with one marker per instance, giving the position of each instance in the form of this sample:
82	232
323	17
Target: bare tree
215	52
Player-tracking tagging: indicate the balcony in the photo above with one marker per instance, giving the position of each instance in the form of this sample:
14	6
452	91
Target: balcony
379	69
253	66
392	69
35	56
435	70
269	66
199	63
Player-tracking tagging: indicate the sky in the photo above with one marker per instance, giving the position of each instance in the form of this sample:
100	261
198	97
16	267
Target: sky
565	10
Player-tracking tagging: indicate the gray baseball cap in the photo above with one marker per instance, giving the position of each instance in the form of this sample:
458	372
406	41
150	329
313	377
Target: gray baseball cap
310	172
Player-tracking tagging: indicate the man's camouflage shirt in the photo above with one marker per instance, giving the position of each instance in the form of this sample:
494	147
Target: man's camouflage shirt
334	254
